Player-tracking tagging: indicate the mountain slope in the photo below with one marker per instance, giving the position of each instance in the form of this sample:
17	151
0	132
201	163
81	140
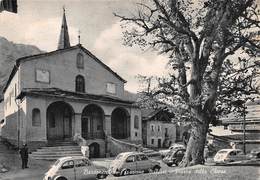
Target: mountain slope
9	52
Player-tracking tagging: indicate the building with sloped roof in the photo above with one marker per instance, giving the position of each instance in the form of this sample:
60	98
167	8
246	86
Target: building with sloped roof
67	93
158	128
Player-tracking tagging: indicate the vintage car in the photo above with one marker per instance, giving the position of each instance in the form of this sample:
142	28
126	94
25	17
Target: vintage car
133	163
229	155
171	148
75	168
254	153
174	157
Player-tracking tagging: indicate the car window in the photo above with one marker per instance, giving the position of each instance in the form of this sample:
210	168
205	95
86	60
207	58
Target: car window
179	153
142	157
81	163
67	165
233	153
130	159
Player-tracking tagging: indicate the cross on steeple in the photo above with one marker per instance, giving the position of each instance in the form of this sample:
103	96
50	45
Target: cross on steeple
79	36
64	40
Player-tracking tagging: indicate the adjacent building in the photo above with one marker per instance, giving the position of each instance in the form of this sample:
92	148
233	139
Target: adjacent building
158	129
235	125
68	92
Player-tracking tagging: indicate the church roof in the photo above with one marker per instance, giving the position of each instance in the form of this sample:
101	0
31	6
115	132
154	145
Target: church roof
59	93
150	114
33	57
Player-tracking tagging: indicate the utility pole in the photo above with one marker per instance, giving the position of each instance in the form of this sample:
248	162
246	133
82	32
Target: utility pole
244	128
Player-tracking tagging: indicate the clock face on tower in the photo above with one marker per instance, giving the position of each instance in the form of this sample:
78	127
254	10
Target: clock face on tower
42	76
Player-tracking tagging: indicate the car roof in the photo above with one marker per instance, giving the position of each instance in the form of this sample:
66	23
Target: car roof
229	150
130	153
71	158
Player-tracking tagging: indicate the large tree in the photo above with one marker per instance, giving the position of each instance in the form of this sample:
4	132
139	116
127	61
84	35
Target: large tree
203	39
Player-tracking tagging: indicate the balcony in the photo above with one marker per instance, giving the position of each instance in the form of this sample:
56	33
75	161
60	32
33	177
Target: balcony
249	127
93	135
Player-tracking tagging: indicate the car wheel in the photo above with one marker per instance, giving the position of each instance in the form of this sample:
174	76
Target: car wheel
126	172
61	178
156	169
169	164
101	176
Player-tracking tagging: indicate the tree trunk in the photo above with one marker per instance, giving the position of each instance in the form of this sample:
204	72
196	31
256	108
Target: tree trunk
195	147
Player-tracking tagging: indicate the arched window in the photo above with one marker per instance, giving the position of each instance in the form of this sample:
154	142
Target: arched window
80	61
136	122
80	84
36	117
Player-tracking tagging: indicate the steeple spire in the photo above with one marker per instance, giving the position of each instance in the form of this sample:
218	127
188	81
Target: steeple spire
64	41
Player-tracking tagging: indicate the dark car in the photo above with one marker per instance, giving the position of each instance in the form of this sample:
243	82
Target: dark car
174	157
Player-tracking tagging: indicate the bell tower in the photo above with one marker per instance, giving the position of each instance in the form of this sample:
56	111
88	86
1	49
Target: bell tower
64	40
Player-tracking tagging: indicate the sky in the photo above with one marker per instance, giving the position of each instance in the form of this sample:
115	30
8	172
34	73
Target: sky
38	23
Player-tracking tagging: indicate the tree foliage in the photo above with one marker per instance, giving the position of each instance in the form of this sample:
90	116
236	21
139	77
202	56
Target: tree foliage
212	47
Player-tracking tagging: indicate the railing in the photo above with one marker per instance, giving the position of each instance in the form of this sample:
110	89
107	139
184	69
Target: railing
249	127
79	140
93	135
120	135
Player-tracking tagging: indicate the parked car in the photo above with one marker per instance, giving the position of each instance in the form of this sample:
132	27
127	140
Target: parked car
254	153
132	163
171	148
75	168
174	157
229	155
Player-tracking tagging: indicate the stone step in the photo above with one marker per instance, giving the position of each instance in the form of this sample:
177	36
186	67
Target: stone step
55	153
60	147
58	150
52	157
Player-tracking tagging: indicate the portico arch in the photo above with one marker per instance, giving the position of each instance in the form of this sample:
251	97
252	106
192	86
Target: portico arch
120	123
59	120
92	119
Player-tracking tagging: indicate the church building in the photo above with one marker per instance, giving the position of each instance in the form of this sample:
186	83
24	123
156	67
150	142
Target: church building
69	92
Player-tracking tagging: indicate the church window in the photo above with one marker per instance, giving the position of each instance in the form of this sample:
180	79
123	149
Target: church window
136	122
111	88
80	61
36	117
80	84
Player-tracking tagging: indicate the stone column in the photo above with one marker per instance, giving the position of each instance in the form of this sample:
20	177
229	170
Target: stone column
107	125
107	130
77	123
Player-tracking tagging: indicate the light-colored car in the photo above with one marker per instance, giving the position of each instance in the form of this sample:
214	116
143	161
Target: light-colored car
133	163
229	155
75	168
171	148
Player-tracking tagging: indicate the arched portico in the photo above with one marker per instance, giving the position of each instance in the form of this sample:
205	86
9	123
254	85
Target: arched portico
92	119
59	121
120	123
